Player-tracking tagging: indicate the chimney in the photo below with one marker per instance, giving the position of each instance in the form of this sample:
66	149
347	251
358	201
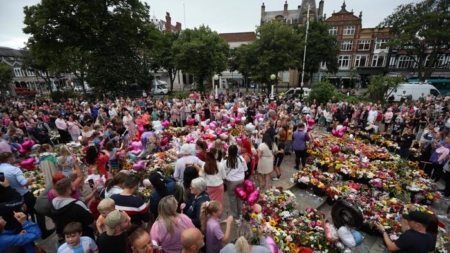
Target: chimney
263	10
321	8
285	8
178	26
299	7
168	22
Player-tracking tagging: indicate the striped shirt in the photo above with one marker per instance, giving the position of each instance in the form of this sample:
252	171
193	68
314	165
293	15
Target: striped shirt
135	207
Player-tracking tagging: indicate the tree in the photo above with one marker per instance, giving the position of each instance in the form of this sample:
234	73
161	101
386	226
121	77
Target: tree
421	32
6	75
244	60
201	52
322	92
277	48
101	41
321	48
164	56
381	87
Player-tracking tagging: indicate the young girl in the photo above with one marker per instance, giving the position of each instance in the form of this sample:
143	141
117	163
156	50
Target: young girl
279	156
290	133
209	216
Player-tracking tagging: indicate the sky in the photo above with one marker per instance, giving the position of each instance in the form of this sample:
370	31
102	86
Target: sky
220	15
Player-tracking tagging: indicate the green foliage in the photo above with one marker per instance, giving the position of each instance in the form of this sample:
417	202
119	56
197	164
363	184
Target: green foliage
348	99
6	75
420	30
184	94
321	47
381	87
106	43
201	53
164	57
61	96
322	92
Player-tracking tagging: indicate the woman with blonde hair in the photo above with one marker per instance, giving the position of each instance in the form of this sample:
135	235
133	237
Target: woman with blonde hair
65	160
167	229
243	243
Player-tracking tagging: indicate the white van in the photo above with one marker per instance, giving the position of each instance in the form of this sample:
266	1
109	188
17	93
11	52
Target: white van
159	88
413	89
291	91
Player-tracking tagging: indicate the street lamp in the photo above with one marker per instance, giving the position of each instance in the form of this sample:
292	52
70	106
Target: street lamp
272	77
216	78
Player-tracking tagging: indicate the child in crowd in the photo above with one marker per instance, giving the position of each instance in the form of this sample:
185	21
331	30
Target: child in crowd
104	208
75	242
210	213
290	133
279	156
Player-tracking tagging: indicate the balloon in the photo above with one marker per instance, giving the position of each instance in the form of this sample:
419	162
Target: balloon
241	193
253	197
22	150
190	122
339	127
226	118
223	136
249	186
35	147
243	119
141	129
28	164
351	136
244	138
340	134
257	208
147	183
219	131
335	149
136	151
344	129
138	166
27	144
233	124
237	120
213	125
166	123
333	132
136	145
272	245
132	157
250	127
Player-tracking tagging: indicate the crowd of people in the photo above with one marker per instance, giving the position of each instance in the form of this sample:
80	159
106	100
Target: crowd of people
92	200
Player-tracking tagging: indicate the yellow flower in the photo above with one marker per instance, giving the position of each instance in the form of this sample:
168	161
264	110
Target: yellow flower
253	215
276	239
273	223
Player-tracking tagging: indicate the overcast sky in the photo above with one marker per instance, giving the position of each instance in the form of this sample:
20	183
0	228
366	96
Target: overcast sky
222	16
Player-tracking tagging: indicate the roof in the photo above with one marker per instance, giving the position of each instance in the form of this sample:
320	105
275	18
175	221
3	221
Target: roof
9	52
238	37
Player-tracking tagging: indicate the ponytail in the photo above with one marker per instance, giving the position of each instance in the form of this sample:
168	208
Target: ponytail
204	215
241	245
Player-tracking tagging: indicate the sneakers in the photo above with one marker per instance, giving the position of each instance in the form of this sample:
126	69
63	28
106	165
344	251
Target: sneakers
275	179
444	218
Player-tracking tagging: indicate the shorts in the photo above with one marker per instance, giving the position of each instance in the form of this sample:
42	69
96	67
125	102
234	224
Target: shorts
278	160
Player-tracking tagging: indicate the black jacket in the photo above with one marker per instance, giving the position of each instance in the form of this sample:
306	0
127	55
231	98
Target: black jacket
194	207
10	201
67	210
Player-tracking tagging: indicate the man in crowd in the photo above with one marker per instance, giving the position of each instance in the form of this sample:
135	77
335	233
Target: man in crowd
115	238
192	240
135	207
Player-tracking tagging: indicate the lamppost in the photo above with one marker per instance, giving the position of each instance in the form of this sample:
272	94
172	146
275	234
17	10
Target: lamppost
272	77
216	79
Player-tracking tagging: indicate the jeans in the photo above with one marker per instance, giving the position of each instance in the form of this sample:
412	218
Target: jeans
300	154
288	147
235	203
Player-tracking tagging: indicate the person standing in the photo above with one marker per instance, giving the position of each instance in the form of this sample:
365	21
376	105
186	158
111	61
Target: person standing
135	207
299	141
266	152
61	125
18	182
115	238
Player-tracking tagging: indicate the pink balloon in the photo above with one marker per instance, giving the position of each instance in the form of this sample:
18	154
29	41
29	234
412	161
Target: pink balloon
335	149
241	193
223	136
28	164
238	120
138	166
190	122
233	124
226	118
344	129
253	198
141	129
340	134
219	131
136	151
249	186
333	132
257	208
166	124
272	244
22	150
212	126
27	144
244	138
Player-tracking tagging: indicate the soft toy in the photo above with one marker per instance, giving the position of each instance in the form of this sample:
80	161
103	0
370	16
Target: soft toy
138	166
331	233
28	164
157	126
166	124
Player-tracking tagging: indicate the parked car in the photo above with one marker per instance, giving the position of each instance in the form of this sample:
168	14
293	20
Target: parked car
292	91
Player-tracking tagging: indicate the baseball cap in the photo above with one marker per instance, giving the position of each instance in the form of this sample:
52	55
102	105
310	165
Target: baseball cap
420	217
113	219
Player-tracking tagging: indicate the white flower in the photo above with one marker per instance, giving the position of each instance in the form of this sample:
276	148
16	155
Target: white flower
289	238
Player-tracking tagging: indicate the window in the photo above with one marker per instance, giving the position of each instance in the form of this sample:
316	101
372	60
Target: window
286	76
346	45
18	72
405	62
381	43
30	73
349	30
364	45
344	61
361	61
378	61
333	30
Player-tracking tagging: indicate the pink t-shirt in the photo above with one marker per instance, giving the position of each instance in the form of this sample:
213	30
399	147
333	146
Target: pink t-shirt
51	195
170	243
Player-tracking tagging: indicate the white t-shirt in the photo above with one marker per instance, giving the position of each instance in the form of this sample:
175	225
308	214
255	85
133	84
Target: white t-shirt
214	180
178	174
235	174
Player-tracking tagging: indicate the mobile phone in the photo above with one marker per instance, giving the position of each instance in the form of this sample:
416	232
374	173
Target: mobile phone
91	183
2	177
